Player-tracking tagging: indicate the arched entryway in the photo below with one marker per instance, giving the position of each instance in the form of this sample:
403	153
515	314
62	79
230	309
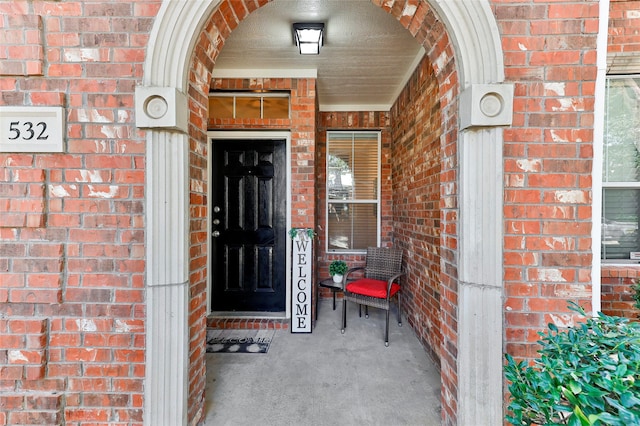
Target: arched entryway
467	59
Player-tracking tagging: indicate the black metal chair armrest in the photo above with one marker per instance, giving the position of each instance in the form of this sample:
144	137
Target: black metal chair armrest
390	282
344	278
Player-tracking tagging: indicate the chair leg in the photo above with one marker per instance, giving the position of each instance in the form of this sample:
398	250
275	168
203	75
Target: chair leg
344	314
399	313
386	331
366	311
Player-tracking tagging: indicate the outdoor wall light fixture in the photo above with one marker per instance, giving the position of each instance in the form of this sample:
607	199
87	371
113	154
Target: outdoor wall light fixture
308	37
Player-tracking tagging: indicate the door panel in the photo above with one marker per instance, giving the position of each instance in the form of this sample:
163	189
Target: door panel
249	221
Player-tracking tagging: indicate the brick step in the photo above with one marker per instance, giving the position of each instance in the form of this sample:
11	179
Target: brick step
248	323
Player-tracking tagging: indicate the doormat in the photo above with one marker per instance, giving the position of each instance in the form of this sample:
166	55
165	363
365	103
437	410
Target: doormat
239	341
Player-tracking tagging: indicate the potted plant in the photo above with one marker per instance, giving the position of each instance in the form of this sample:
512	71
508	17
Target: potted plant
337	269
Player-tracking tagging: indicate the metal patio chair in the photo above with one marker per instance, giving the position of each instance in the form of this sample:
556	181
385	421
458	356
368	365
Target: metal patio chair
380	284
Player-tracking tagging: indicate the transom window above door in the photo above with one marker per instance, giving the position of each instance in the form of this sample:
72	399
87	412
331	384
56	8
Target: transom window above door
353	191
267	105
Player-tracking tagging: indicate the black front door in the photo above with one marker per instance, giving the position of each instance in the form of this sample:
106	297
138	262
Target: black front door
249	225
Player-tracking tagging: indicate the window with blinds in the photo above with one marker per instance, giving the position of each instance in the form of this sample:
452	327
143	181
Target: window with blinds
621	170
353	190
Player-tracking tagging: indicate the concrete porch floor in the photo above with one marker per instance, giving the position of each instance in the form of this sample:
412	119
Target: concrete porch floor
328	378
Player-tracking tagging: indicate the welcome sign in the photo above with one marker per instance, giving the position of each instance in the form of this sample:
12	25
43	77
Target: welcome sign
301	281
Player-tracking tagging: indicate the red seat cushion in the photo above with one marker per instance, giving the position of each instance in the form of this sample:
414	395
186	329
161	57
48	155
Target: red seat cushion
372	288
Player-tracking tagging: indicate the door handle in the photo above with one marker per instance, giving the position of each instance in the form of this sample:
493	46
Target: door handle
215	234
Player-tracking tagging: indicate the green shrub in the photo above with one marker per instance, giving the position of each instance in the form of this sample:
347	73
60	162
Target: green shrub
585	375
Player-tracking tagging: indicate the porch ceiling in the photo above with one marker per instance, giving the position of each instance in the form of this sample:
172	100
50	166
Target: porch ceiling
366	59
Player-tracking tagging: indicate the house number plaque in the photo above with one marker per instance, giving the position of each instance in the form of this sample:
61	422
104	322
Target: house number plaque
31	129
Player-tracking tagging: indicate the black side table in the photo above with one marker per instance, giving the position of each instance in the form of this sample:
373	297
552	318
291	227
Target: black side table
330	284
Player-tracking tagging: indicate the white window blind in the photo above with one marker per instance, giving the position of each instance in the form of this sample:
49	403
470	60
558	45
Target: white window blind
353	190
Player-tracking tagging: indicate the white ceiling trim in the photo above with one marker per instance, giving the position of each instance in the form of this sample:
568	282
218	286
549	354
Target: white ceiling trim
410	71
264	73
354	108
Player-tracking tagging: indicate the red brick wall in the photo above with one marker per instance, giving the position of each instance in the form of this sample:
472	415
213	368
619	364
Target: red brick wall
624	21
199	78
430	32
416	157
72	224
23	51
624	36
617	292
549	52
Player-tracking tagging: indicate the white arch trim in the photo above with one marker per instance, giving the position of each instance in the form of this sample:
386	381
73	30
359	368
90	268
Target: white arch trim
474	34
476	40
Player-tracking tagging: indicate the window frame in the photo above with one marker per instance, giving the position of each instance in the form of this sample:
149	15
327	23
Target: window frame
378	188
257	95
605	183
